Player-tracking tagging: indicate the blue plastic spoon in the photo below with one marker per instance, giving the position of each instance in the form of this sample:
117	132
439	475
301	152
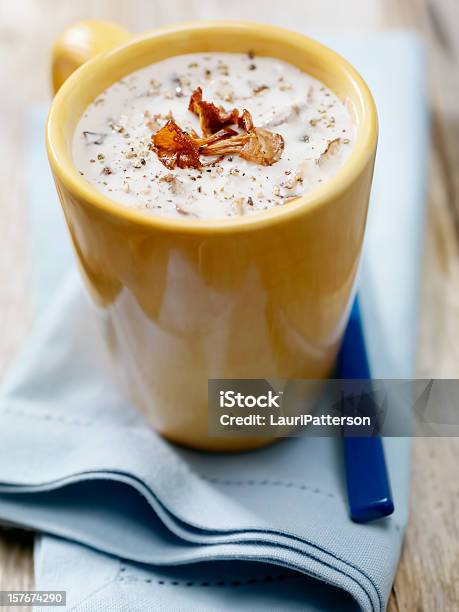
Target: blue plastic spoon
367	479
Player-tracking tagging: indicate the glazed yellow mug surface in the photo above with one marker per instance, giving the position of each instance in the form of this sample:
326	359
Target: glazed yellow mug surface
184	301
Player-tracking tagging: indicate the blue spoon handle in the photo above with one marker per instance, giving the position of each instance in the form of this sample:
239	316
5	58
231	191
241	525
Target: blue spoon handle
367	479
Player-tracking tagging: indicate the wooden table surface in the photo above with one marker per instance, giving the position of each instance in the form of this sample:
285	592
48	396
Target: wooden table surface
428	575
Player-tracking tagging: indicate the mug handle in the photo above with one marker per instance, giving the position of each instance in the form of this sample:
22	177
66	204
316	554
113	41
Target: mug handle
79	43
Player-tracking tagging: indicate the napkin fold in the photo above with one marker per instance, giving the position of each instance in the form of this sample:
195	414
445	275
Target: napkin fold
134	523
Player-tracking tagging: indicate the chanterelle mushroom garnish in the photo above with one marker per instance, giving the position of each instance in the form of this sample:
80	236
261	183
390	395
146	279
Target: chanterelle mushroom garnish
211	118
175	147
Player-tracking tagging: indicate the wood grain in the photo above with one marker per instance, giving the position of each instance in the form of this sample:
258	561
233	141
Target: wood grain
428	575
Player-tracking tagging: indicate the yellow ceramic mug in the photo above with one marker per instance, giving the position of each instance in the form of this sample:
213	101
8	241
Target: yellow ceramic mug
182	301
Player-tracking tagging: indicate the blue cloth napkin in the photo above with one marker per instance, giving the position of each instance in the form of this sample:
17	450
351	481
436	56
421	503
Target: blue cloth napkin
134	523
